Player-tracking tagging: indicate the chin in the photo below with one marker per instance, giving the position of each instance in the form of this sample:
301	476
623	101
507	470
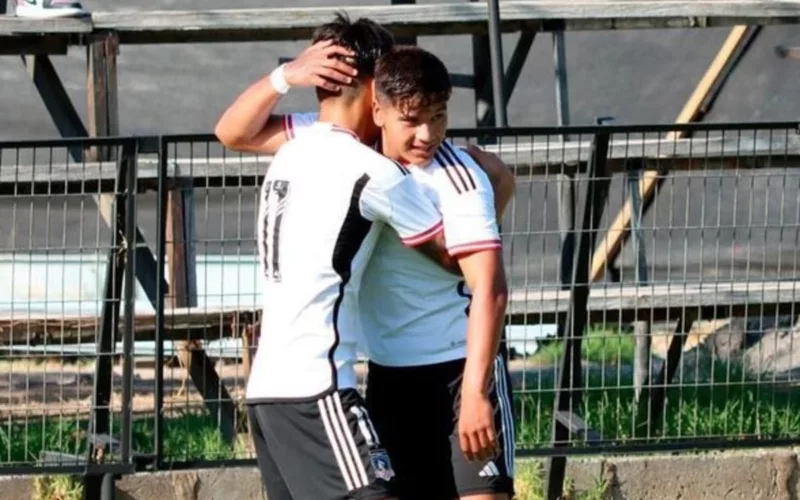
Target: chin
418	159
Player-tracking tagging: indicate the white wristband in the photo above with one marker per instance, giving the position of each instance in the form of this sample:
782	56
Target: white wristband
278	80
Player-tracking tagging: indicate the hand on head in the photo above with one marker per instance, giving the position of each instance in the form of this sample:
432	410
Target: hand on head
321	65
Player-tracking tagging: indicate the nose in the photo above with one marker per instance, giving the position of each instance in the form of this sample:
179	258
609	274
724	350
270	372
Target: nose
424	133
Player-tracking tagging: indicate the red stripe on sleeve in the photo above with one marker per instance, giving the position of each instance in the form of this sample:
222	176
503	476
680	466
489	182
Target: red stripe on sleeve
424	236
474	246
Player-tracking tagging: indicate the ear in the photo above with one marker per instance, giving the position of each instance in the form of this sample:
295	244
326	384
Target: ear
377	111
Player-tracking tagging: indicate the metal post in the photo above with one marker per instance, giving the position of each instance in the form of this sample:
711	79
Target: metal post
566	226
109	327
498	77
161	245
569	393
129	158
562	86
405	40
107	489
641	329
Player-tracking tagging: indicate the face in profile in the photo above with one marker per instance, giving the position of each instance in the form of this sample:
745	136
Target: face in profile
411	134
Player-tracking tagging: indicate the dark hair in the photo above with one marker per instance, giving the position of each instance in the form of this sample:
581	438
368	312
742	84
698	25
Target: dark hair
412	78
368	39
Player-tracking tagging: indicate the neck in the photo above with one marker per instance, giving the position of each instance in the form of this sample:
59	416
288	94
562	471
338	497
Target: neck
386	148
346	116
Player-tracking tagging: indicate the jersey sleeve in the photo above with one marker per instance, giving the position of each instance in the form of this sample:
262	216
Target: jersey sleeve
295	124
467	204
401	202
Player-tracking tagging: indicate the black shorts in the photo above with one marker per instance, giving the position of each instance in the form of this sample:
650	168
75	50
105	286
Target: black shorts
415	410
320	450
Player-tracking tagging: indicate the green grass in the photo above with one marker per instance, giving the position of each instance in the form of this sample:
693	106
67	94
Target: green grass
723	400
187	437
601	345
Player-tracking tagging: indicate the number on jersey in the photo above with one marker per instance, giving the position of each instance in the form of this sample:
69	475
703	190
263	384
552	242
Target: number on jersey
275	198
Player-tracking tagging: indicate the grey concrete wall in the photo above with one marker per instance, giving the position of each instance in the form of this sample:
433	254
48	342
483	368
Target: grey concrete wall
751	475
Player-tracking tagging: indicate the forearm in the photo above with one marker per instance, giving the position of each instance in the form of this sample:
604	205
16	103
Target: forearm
436	250
248	115
487	312
504	191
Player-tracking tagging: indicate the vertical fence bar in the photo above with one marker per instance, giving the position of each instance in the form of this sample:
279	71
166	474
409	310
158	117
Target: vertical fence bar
161	244
562	85
566	225
569	395
129	158
99	434
405	40
496	59
641	329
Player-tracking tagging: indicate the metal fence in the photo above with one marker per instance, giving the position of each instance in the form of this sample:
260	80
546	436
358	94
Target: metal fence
676	332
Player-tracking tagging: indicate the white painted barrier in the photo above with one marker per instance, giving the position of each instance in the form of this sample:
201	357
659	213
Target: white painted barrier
61	285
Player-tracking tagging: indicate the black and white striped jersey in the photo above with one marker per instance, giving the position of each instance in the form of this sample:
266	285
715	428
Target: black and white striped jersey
413	311
426	322
325	200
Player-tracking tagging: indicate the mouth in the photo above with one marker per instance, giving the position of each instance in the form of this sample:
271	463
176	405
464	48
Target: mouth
423	150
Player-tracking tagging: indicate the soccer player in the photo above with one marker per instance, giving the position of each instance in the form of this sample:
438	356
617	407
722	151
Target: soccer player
437	371
476	459
324	202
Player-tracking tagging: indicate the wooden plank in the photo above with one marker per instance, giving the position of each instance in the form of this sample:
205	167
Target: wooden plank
183	293
618	231
436	19
11	26
527	158
691	109
533	305
179	324
615	237
147	27
34	45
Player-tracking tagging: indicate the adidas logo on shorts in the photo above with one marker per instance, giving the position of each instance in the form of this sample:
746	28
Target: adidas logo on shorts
489	470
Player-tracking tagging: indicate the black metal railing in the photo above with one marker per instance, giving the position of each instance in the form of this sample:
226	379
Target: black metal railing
653	276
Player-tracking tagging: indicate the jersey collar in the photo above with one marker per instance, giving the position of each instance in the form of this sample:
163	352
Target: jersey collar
330	127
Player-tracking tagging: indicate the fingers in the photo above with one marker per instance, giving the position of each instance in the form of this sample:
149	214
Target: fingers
473	450
320	45
335	76
492	446
337	50
326	84
340	66
479	445
466	447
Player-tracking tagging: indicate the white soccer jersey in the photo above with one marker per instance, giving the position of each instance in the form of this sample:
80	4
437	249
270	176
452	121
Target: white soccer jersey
413	312
425	321
324	202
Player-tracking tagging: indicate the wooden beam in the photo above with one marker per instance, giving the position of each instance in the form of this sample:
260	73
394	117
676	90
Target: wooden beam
183	293
692	107
526	305
611	244
527	158
618	231
34	45
242	25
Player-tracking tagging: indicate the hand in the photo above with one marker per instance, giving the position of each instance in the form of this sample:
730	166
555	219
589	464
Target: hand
490	163
476	432
317	66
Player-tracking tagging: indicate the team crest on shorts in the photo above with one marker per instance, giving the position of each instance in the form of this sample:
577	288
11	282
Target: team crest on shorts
381	464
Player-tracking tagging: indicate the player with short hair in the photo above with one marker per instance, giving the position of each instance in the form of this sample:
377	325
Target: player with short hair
438	370
324	202
471	220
